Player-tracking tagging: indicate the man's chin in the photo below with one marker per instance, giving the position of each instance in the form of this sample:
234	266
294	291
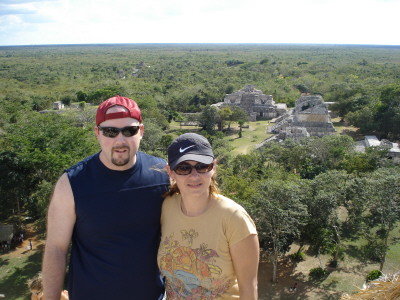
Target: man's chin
120	163
120	159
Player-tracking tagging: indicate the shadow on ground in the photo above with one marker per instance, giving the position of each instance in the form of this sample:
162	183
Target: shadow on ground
287	277
14	285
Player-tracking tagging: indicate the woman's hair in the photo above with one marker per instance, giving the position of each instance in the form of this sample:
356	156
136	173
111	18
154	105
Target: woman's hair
36	283
173	189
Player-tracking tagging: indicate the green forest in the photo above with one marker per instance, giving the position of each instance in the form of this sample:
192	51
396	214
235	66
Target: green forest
319	194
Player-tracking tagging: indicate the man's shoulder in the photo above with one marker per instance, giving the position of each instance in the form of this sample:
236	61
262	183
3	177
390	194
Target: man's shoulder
82	164
152	160
152	170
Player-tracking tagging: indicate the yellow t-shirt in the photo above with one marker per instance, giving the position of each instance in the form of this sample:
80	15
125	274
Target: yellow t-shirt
194	252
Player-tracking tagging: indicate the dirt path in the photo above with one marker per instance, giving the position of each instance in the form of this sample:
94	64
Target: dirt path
30	237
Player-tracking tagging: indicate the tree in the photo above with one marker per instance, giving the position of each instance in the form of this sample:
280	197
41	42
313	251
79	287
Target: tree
358	191
388	112
240	123
348	98
102	94
278	211
312	156
240	116
234	62
381	116
324	226
221	149
364	118
82	105
165	141
40	103
66	100
356	162
209	118
229	89
384	210
225	116
36	149
302	88
15	184
39	200
152	141
81	96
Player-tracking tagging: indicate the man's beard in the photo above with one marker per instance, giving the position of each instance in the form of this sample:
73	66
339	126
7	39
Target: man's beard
121	161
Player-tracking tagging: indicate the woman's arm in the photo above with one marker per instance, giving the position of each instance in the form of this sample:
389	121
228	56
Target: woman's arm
245	256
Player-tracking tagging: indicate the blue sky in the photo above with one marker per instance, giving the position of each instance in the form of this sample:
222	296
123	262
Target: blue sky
33	22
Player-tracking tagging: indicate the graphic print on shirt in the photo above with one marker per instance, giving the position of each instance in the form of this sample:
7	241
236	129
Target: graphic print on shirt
191	273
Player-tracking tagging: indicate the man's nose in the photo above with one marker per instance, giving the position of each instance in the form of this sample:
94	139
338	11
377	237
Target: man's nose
120	137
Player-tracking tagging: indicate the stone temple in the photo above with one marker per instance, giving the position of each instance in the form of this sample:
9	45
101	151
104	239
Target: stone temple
254	102
310	117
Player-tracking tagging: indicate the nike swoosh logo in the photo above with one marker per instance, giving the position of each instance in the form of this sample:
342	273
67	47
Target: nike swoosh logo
184	149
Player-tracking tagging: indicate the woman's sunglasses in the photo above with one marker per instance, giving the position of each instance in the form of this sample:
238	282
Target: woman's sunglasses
186	169
112	132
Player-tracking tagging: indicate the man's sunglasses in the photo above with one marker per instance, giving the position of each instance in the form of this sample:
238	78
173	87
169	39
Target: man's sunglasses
186	169
112	132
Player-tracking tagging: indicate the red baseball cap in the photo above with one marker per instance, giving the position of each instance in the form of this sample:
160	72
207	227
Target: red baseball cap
129	104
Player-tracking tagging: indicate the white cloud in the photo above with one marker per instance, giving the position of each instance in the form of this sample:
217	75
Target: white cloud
237	21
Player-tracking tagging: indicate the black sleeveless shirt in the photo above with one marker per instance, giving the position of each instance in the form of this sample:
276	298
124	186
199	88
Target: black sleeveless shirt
117	230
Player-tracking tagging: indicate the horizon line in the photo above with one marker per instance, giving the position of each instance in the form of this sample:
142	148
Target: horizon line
198	44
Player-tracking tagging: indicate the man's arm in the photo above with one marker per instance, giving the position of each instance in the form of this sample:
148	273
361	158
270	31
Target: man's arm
245	257
60	223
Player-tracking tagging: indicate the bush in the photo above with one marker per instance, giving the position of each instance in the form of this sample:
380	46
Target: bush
66	100
318	273
298	256
333	263
374	274
234	62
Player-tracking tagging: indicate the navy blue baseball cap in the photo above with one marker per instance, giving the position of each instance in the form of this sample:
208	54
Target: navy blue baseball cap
190	146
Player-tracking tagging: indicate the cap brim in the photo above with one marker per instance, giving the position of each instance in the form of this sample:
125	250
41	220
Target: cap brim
195	157
133	121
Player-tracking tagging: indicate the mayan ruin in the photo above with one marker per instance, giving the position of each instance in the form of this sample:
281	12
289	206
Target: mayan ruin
309	117
255	103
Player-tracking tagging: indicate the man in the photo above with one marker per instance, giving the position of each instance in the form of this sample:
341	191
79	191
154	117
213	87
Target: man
109	204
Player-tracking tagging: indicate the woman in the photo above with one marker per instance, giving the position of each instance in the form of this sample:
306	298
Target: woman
209	247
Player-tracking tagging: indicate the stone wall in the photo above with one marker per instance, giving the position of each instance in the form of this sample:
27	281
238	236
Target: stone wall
254	102
309	113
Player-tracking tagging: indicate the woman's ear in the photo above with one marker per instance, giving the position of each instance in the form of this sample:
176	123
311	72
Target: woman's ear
171	173
168	169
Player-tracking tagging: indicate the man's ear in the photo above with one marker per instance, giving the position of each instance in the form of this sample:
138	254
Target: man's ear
96	131
141	130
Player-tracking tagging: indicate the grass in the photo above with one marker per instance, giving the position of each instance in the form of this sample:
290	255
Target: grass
352	271
343	128
15	270
255	134
175	129
392	263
